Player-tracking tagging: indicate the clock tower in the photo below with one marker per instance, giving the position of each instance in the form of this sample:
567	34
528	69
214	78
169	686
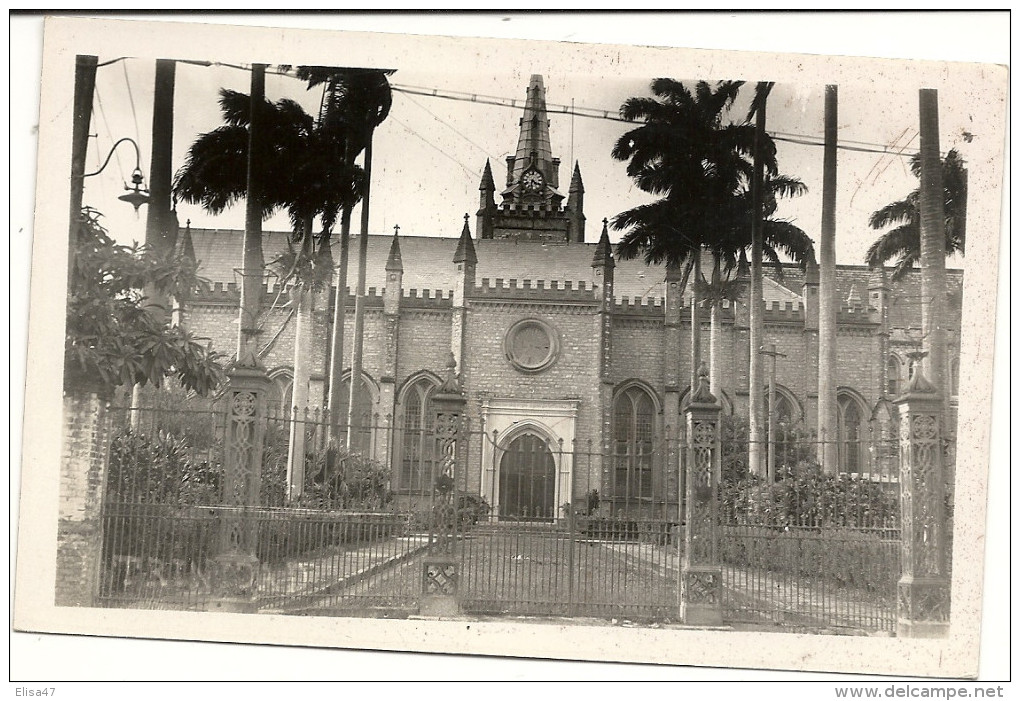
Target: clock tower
531	206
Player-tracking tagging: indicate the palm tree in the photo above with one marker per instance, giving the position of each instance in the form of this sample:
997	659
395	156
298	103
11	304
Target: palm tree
780	239
355	101
296	160
903	241
699	164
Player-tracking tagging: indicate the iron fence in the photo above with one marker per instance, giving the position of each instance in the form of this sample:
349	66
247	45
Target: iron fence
537	526
812	544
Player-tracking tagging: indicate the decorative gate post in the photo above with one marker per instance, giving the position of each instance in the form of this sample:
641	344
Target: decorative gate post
83	467
235	566
701	570
923	597
441	573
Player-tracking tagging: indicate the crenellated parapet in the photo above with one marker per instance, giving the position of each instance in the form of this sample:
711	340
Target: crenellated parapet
551	290
427	299
777	311
644	306
532	209
856	312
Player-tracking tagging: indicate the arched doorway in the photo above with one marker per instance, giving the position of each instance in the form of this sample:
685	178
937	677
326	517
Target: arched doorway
527	480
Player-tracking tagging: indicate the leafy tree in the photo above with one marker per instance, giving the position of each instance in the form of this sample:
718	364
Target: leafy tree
114	337
903	241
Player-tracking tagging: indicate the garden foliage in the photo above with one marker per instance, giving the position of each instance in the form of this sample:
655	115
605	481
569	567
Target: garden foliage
115	335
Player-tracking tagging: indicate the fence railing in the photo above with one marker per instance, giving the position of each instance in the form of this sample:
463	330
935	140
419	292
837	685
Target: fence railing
538	525
809	545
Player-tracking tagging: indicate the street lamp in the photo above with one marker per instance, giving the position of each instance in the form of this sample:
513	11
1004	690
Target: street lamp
136	195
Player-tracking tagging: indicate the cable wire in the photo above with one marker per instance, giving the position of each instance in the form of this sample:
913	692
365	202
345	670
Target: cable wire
131	99
467	169
109	133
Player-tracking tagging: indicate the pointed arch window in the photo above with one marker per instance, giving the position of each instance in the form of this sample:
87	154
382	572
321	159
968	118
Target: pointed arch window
416	457
633	443
362	418
281	394
784	439
893	369
851	446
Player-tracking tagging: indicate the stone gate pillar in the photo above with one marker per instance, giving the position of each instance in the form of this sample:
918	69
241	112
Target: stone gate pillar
83	463
923	596
235	566
441	569
701	569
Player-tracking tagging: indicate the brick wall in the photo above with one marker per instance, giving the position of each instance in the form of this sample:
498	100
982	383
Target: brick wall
83	462
639	351
424	342
574	375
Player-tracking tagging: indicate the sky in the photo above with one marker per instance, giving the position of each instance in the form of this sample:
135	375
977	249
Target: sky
430	152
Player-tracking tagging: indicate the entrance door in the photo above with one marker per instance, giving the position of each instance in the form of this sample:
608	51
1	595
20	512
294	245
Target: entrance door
527	481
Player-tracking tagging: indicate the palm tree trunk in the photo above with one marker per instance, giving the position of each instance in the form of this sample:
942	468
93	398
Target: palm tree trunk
302	374
695	322
359	300
84	88
158	236
252	261
757	331
828	305
713	336
336	356
933	244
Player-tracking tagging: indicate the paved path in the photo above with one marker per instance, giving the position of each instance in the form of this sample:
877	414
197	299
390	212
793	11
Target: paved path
302	581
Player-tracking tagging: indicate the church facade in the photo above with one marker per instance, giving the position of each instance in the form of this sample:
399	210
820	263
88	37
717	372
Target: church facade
575	364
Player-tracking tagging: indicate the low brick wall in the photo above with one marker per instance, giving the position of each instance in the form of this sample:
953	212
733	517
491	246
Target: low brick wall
86	442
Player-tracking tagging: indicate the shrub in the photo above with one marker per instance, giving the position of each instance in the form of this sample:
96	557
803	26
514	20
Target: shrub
866	560
298	534
470	509
812	498
160	468
342	479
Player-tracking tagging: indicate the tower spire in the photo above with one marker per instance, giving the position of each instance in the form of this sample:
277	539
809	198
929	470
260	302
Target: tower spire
533	148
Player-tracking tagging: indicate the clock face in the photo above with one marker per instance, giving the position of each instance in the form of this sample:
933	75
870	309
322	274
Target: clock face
531	345
532	181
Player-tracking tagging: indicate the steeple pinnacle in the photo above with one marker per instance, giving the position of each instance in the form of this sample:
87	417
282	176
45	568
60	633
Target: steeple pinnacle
575	180
394	263
487	185
465	246
185	246
604	249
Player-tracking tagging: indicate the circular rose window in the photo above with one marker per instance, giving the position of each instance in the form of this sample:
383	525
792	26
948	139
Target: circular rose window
531	345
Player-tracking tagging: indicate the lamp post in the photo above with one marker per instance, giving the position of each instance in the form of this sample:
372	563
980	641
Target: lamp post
136	195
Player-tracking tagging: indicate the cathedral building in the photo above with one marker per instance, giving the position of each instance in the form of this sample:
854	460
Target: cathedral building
575	365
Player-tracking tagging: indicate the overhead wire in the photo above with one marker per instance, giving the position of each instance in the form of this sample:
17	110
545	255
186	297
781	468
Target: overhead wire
453	128
131	99
467	169
109	133
604	114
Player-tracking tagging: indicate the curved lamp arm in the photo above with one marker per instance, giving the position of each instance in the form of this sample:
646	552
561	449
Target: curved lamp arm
137	195
138	157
